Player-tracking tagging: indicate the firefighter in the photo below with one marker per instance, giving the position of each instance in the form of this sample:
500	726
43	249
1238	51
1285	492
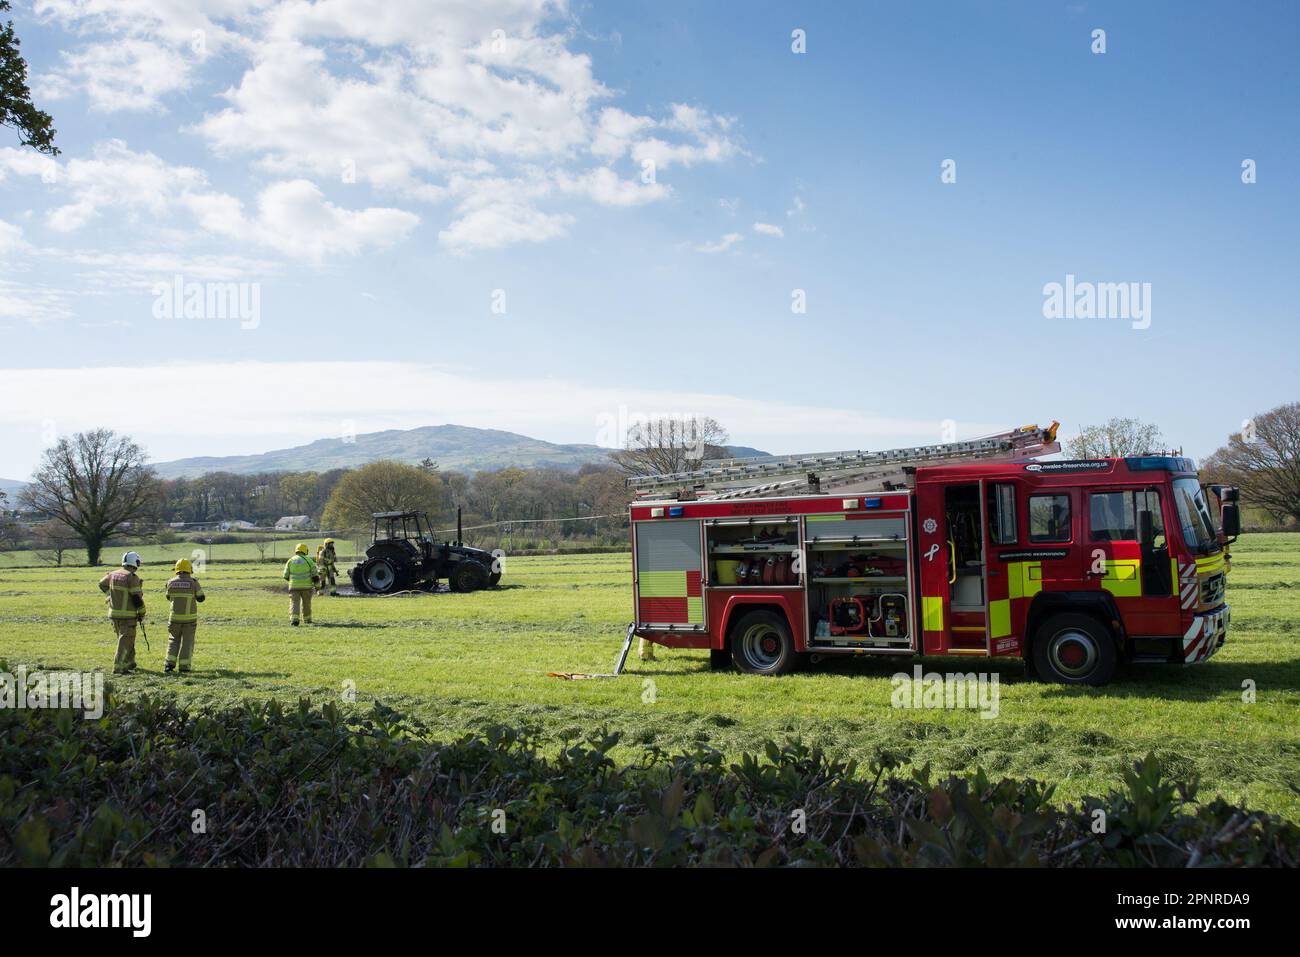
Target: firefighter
125	600
301	574
184	592
325	559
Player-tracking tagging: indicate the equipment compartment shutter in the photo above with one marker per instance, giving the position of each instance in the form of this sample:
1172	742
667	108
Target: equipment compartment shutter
668	567
841	528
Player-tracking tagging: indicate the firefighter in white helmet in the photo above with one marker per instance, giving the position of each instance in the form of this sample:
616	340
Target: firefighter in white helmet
184	593
125	593
301	574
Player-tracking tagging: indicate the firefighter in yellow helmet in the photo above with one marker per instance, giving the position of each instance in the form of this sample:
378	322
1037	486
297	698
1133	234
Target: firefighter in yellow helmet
125	593
301	574
325	564
184	593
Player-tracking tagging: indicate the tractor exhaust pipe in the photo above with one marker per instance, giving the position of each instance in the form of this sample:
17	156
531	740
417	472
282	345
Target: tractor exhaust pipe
459	539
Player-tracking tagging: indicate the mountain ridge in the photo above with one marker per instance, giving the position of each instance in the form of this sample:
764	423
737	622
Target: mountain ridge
458	448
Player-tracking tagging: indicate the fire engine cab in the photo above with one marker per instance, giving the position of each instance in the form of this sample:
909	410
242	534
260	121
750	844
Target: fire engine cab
968	548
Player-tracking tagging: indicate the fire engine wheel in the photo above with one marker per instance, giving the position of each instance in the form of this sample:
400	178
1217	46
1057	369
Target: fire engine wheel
761	644
468	576
1075	650
378	576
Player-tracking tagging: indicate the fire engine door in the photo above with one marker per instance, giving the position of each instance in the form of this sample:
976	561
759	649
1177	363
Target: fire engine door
964	518
951	546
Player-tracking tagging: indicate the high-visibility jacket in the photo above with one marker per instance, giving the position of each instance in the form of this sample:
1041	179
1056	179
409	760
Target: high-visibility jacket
325	556
299	571
184	592
125	593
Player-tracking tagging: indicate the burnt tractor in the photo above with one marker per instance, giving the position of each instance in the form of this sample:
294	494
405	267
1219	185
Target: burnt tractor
403	556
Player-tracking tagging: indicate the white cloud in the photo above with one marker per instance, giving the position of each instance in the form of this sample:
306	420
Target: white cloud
123	75
137	51
767	229
498	224
33	303
480	106
606	187
295	218
11	238
721	245
797	209
115	177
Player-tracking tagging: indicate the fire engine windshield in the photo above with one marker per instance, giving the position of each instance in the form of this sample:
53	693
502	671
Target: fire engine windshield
1194	516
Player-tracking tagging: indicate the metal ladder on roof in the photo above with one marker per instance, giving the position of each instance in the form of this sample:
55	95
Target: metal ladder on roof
828	471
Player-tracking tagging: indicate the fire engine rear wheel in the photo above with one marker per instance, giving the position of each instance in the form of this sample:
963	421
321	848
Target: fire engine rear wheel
378	576
761	644
468	576
1074	650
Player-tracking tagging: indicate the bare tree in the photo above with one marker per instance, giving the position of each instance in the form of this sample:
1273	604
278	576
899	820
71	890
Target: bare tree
50	542
93	484
1115	439
1264	460
8	527
670	444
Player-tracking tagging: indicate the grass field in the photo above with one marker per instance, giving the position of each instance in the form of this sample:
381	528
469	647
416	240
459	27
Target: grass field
464	661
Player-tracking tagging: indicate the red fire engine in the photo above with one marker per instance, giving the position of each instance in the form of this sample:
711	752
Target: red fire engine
967	548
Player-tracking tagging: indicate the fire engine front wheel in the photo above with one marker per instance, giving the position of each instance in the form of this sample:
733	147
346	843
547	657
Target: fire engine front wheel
761	644
1074	650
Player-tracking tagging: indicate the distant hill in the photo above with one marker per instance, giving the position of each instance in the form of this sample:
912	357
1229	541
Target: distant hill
456	448
11	488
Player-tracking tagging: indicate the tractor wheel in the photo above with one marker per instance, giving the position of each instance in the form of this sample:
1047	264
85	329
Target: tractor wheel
468	576
377	576
761	644
1074	650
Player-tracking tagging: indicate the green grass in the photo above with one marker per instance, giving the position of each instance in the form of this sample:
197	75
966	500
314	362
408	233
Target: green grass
464	661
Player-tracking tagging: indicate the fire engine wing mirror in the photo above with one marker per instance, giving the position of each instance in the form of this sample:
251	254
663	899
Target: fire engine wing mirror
1146	529
1230	519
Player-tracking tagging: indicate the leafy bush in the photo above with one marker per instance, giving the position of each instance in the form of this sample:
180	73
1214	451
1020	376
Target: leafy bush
315	786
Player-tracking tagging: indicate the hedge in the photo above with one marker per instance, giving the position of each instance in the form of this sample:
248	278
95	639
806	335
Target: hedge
154	784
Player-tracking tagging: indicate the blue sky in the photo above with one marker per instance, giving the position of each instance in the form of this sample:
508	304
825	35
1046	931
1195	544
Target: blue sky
509	168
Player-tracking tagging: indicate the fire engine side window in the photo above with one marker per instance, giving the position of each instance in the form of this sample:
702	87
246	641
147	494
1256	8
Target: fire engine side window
1002	514
1113	515
1049	518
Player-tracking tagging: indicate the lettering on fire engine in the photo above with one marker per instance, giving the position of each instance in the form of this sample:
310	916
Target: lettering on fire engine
1034	555
1083	465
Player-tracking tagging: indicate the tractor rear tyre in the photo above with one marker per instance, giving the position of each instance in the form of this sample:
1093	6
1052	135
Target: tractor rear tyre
377	576
468	576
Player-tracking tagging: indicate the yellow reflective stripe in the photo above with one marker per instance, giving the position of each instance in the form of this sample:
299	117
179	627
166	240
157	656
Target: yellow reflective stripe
825	518
695	610
1210	565
663	585
1024	579
1122	578
1000	617
932	613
